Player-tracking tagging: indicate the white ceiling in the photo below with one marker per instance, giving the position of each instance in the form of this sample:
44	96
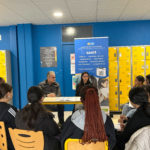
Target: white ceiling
75	11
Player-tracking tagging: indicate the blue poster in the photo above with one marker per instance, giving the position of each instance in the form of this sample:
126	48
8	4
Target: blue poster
91	55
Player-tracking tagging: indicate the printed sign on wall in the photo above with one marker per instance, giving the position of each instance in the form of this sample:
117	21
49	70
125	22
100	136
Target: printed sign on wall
48	56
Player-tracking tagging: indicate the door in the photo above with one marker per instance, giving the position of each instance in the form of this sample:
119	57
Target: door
67	49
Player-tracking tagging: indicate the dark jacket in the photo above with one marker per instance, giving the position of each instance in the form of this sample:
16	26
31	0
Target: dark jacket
74	128
139	119
47	88
80	86
46	124
7	115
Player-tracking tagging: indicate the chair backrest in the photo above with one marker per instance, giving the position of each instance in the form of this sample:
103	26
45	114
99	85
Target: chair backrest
74	144
25	139
3	139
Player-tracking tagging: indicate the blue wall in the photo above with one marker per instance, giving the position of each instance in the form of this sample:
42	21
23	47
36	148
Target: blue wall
25	56
25	40
124	33
45	36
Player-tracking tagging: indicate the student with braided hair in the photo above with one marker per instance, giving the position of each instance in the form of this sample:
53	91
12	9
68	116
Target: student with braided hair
90	124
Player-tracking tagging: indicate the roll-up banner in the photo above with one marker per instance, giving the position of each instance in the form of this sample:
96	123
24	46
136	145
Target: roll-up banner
91	55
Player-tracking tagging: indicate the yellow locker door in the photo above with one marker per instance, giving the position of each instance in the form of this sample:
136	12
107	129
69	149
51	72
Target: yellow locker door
113	67
125	79
113	73
124	72
113	81
2	57
124	53
112	51
113	104
113	97
124	91
138	53
147	67
147	52
3	71
124	66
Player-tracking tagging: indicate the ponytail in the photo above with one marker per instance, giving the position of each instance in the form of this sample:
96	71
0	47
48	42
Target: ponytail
94	126
31	113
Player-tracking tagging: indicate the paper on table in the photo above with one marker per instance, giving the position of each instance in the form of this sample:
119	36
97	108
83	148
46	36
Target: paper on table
56	99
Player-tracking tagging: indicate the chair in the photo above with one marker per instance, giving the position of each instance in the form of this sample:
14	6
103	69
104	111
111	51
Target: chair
74	144
25	139
3	138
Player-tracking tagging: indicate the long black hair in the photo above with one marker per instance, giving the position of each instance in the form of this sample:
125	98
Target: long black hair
88	81
34	108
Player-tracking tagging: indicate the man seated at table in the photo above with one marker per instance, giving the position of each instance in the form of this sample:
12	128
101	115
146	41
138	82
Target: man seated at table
52	89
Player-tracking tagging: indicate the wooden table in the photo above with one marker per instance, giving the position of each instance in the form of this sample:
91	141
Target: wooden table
61	100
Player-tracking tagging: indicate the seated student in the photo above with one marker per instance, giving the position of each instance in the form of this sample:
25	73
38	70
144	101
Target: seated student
90	124
141	118
34	117
128	110
148	79
7	111
85	80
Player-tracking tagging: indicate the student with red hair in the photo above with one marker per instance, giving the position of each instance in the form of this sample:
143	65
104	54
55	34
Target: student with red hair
90	124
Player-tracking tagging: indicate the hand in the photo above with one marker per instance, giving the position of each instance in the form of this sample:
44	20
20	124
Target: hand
122	121
51	95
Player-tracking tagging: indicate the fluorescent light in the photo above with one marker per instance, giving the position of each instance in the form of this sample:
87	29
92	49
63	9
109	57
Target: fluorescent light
70	31
58	14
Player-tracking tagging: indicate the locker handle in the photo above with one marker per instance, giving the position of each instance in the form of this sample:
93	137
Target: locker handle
115	80
120	80
147	53
120	92
115	93
115	55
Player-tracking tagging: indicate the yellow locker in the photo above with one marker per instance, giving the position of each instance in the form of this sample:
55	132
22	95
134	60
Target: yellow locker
138	53
138	65
124	67
113	97
113	66
113	91
125	79
124	72
2	57
113	73
124	53
147	52
113	81
124	91
113	104
112	53
147	67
